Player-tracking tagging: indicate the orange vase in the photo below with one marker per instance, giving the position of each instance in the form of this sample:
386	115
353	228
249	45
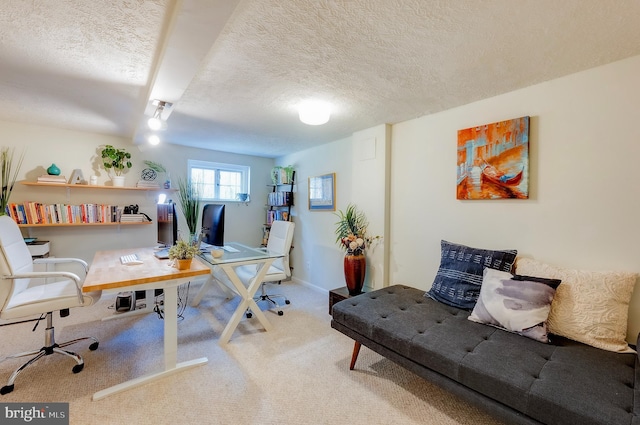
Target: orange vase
355	267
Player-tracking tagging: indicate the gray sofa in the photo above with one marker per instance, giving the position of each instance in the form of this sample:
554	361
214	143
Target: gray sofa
516	379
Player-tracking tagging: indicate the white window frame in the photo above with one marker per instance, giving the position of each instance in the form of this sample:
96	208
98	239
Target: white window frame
244	170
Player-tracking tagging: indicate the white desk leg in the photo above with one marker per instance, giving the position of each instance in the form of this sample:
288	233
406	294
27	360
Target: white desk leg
247	299
203	289
170	349
170	327
211	280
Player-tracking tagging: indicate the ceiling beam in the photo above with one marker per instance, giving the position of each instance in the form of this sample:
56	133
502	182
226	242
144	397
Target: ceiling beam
190	30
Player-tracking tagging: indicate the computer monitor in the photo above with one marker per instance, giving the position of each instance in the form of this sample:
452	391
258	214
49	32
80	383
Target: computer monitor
213	224
167	224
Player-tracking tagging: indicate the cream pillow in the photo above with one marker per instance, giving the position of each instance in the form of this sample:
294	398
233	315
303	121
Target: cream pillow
589	307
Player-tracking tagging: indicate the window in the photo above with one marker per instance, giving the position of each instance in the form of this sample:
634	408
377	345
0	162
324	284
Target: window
218	181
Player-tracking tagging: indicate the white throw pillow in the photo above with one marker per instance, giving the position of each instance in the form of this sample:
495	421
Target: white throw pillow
589	306
519	304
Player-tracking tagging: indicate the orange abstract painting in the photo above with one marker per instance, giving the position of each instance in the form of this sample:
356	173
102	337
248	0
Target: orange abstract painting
493	161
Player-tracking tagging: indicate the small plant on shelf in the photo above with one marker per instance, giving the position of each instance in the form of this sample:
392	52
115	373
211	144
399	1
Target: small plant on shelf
118	160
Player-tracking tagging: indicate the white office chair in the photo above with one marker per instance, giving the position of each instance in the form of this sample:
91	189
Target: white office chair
25	293
280	240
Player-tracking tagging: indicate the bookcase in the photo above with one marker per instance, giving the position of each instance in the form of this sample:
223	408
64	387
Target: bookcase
279	203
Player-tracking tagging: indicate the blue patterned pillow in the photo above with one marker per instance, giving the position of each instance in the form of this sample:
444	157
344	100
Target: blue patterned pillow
459	277
519	304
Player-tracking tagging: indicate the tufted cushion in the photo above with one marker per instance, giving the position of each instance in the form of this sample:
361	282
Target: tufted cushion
457	282
516	303
564	382
590	307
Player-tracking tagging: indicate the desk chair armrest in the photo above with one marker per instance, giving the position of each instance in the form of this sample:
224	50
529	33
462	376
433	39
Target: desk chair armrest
36	275
58	260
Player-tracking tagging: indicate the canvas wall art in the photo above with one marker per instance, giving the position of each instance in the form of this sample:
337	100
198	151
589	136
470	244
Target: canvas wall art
493	161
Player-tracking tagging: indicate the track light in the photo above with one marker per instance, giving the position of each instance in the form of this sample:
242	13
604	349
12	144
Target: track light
157	122
153	139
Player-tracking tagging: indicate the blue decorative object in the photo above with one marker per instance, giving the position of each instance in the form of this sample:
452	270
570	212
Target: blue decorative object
53	170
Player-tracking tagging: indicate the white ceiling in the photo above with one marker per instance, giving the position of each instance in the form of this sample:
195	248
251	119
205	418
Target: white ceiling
235	70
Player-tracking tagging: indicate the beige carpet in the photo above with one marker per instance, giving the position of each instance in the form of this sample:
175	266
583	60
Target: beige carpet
296	374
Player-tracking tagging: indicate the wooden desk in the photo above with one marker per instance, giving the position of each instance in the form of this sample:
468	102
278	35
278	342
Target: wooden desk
106	273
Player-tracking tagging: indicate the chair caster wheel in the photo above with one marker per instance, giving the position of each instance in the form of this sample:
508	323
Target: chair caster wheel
6	389
249	315
287	302
78	368
94	346
280	313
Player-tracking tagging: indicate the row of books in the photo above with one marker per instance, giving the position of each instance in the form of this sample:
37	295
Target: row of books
273	215
280	198
37	213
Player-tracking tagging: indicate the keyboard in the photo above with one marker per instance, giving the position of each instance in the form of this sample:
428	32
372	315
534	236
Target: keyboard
130	259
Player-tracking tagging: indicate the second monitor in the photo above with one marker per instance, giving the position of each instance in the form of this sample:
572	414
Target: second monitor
213	224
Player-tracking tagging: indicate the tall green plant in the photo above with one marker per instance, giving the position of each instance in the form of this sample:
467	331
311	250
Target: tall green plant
189	202
8	176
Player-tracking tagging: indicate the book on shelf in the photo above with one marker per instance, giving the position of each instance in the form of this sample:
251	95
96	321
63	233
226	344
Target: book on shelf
46	178
280	198
273	215
146	183
132	218
38	213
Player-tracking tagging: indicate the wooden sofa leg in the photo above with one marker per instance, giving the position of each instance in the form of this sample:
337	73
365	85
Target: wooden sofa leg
354	356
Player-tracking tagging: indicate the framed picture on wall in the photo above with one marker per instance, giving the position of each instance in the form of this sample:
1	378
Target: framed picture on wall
322	192
493	161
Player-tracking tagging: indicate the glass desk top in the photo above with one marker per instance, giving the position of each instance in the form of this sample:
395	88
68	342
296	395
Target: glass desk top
235	252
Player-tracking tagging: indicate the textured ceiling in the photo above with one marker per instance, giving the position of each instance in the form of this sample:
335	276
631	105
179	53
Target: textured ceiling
236	69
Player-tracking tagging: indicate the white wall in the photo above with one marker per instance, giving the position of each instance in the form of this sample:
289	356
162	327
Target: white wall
316	258
584	192
73	149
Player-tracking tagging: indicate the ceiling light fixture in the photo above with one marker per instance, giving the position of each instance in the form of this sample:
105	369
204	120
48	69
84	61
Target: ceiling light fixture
153	139
314	113
157	122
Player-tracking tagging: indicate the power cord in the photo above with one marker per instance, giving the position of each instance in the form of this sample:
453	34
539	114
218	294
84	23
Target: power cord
183	296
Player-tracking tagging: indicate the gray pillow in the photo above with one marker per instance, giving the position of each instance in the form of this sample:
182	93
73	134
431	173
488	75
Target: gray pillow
519	304
459	276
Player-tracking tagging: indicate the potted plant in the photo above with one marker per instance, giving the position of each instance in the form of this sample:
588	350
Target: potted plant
118	160
189	197
288	172
351	232
183	252
8	176
275	174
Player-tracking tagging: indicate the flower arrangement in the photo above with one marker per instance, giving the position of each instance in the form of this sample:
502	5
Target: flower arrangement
351	231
